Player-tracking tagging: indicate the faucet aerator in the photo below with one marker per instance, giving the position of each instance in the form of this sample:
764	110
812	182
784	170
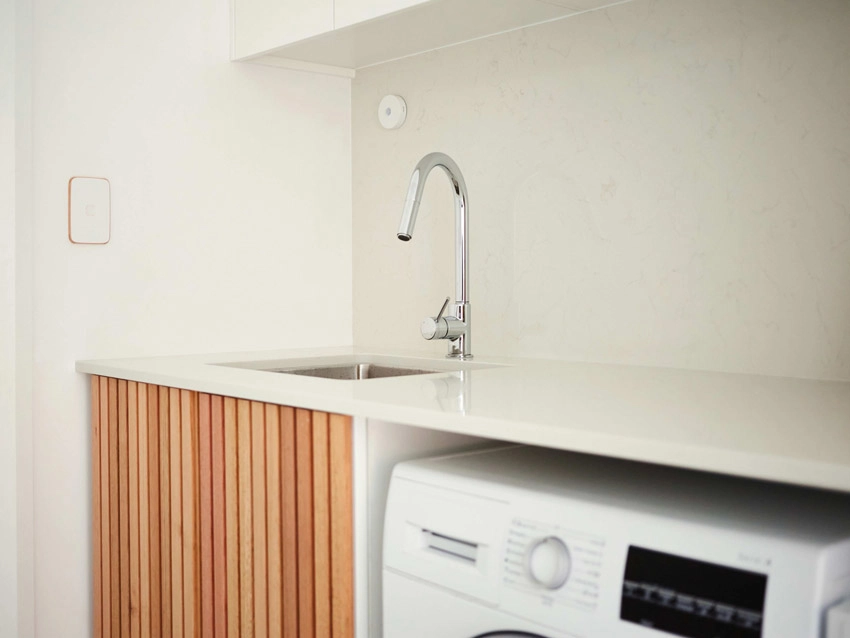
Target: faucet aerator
403	237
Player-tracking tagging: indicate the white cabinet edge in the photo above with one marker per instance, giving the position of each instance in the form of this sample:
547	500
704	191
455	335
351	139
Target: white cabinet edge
298	65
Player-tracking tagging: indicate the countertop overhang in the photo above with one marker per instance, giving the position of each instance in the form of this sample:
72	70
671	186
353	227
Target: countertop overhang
772	428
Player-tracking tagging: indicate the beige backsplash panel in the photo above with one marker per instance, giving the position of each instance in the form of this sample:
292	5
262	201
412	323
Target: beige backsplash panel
661	182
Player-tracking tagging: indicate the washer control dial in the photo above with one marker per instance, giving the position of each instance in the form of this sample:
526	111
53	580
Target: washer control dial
549	562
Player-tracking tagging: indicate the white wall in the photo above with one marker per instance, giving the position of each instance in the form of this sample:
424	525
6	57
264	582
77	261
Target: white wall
661	183
231	227
24	320
8	439
16	480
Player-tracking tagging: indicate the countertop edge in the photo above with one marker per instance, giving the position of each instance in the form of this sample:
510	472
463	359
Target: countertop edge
178	372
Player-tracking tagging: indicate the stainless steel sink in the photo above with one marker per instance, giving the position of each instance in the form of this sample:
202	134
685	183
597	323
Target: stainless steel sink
354	371
358	367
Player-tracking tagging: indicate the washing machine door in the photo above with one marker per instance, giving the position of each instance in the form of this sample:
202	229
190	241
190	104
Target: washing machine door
509	634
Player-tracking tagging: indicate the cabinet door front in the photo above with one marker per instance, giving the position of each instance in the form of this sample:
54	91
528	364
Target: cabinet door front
348	12
262	25
218	517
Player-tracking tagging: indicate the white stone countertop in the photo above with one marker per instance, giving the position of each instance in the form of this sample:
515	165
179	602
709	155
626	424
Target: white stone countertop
780	429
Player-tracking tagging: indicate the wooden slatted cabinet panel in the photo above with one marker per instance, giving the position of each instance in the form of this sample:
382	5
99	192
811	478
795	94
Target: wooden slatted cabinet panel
217	517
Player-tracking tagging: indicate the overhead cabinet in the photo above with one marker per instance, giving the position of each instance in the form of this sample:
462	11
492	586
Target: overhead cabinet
339	36
349	12
262	25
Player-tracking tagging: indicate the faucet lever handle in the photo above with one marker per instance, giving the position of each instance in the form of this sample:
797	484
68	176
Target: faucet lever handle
443	309
441	327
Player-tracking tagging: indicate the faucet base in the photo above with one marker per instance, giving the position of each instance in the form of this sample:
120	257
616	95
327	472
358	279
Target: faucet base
461	346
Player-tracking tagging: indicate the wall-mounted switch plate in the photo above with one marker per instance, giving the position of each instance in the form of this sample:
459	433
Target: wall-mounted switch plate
89	217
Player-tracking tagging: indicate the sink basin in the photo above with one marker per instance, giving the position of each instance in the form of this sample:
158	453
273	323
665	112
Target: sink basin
358	367
353	371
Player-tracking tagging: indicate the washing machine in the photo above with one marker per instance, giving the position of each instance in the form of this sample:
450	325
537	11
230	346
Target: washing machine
535	543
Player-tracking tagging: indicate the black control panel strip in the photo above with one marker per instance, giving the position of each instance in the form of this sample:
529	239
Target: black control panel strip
691	598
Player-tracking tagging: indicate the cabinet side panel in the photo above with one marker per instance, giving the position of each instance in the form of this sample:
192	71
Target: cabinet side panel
304	504
97	588
273	522
342	526
144	516
246	549
231	508
321	527
133	519
289	516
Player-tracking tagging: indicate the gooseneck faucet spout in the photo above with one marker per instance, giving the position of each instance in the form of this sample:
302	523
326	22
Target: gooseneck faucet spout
457	327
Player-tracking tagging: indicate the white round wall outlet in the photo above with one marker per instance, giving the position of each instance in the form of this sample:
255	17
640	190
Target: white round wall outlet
392	111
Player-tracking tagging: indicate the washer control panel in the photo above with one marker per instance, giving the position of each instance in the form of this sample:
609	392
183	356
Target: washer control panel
549	565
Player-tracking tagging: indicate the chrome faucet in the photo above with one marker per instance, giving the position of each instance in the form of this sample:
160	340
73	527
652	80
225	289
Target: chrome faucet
457	326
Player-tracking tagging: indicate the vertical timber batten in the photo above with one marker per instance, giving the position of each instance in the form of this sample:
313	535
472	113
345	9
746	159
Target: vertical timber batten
217	517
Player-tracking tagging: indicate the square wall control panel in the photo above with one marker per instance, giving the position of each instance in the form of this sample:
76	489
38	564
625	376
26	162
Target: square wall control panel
89	216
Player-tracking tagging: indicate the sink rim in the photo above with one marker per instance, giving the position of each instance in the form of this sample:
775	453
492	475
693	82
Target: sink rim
423	365
359	371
